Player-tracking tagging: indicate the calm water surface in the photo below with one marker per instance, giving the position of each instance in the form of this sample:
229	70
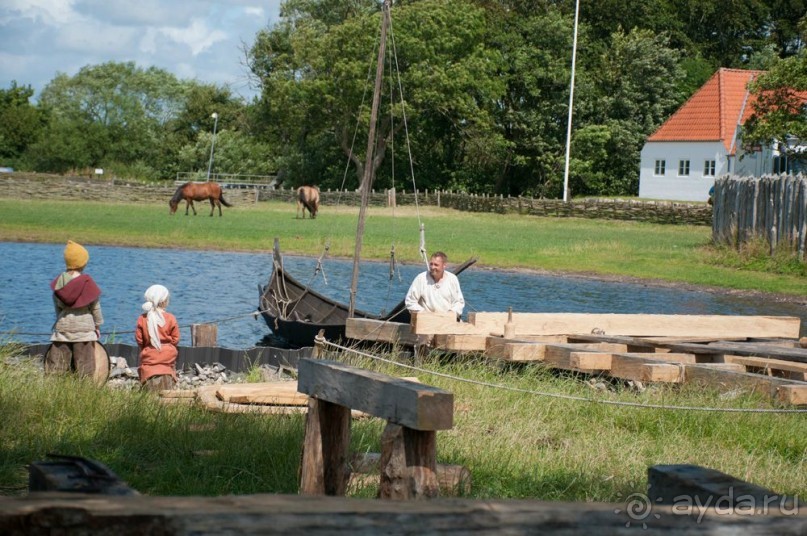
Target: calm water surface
223	288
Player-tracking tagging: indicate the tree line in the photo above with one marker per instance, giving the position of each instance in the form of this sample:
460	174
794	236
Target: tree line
475	97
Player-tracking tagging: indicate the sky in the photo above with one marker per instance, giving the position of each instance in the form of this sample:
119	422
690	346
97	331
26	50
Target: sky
192	39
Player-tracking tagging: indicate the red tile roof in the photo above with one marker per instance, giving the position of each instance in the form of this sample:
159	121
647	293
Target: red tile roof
713	112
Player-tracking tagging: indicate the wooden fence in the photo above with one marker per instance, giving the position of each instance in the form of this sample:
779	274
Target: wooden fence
773	208
615	209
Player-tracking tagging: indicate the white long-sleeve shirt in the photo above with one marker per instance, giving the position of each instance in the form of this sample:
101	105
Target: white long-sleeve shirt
426	295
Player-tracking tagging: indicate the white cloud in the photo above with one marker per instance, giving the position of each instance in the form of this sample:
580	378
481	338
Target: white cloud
197	36
198	39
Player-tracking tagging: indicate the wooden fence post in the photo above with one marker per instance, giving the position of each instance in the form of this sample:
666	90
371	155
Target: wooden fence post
204	335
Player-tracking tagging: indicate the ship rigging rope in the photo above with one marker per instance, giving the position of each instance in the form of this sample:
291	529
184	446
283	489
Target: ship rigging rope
422	248
559	395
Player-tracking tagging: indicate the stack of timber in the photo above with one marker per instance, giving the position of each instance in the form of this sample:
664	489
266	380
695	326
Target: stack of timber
757	353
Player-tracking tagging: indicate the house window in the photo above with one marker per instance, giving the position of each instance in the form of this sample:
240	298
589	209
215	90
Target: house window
709	168
683	168
660	167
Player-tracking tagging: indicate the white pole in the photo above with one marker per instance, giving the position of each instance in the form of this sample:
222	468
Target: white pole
571	102
215	116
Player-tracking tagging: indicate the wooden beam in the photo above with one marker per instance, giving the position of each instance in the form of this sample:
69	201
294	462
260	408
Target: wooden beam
650	367
576	356
410	404
249	515
694	486
787	369
460	343
798	355
638	325
274	393
795	395
366	329
444	324
727	379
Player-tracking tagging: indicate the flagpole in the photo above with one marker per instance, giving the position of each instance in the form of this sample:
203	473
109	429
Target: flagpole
571	102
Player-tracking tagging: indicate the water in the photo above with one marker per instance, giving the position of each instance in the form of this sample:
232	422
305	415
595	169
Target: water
223	288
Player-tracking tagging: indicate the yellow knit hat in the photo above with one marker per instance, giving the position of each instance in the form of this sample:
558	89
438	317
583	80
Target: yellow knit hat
75	256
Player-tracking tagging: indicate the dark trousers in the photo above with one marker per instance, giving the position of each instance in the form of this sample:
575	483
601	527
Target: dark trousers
66	357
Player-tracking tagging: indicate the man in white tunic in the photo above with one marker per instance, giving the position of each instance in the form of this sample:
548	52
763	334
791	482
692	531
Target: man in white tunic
436	291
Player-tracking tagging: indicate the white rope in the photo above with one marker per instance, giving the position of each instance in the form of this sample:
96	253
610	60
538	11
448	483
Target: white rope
561	396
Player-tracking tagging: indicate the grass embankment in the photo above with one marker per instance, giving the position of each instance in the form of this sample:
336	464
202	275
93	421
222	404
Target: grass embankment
601	247
516	444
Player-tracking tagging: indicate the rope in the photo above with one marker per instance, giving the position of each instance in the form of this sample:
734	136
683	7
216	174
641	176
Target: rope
558	395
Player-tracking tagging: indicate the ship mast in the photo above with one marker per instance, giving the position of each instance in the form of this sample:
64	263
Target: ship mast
369	172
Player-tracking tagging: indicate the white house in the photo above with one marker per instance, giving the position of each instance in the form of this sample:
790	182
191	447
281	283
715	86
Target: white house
701	141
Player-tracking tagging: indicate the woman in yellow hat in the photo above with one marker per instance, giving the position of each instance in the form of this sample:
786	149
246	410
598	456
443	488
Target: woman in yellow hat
76	298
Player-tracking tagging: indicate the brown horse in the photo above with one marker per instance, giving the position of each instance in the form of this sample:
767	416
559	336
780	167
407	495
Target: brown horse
198	191
307	198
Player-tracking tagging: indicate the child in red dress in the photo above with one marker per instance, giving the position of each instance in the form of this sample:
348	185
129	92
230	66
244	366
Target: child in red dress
157	335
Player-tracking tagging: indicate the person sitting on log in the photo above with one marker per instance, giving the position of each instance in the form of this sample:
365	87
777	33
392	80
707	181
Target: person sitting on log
157	336
76	298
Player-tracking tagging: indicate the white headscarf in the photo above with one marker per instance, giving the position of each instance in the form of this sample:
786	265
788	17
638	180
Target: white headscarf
155	295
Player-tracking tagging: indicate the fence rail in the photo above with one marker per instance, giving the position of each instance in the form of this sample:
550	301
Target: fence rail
773	208
616	209
229	180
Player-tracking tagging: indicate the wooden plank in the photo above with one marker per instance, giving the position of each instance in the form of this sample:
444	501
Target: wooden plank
787	369
636	325
650	367
366	329
284	392
206	396
444	324
249	515
727	379
515	351
461	343
576	356
744	349
410	404
795	395
589	362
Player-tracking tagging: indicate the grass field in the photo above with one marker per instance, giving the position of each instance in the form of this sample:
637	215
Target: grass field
515	436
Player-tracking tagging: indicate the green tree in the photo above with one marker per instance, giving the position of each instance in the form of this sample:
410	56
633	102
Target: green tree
21	122
629	92
115	111
779	109
317	77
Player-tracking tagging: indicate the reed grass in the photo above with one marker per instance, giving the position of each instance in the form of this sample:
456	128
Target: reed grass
516	444
670	253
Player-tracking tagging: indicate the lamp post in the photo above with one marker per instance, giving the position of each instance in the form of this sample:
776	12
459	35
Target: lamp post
215	116
571	103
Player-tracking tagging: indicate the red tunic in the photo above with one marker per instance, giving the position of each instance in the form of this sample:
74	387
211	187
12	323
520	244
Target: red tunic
154	362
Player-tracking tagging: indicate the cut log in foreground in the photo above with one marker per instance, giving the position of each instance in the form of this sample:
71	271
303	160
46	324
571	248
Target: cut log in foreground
42	514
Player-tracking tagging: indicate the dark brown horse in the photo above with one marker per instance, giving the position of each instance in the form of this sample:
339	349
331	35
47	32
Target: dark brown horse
198	191
307	198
